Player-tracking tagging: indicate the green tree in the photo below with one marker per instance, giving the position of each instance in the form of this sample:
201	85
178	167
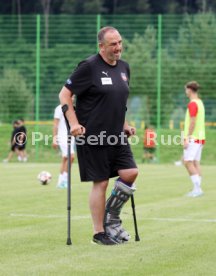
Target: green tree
143	6
140	53
191	57
82	7
16	99
92	7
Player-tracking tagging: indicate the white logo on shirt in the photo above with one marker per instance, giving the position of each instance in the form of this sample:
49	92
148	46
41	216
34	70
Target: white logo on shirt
105	73
106	81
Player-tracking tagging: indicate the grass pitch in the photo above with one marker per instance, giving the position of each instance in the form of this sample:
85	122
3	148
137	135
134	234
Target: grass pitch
177	233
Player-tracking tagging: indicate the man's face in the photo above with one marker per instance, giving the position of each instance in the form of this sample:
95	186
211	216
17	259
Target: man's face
111	47
187	92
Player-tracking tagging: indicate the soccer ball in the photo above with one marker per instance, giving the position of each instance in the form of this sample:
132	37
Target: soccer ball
44	177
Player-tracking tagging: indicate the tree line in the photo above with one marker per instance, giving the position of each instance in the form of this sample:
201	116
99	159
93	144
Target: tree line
106	6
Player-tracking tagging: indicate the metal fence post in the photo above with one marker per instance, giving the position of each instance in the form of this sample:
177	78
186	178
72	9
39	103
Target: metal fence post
159	45
37	95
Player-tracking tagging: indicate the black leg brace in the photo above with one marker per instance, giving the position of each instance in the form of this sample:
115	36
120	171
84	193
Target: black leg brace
112	222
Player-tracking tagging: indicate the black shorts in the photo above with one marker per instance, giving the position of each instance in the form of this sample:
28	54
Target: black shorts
22	147
98	163
19	147
13	147
149	150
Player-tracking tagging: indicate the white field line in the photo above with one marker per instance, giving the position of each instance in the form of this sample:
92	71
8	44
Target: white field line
125	217
179	220
49	216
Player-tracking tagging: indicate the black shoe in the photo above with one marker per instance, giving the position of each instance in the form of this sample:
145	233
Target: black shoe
103	239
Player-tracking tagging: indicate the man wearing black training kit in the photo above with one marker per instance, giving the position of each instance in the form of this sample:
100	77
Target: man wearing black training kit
101	86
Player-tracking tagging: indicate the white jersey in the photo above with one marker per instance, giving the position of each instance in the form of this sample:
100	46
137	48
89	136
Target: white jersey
62	131
58	114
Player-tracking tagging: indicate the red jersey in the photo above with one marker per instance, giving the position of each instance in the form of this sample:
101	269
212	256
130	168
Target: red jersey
149	138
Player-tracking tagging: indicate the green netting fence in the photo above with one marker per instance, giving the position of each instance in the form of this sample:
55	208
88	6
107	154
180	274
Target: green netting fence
38	54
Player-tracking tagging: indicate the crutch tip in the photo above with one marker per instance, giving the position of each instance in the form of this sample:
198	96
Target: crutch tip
137	238
69	241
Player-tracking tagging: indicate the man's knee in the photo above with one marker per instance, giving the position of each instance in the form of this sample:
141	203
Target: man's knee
134	173
100	185
188	163
64	158
191	168
129	175
196	163
185	163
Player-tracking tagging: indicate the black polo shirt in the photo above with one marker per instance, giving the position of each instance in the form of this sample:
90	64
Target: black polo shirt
102	91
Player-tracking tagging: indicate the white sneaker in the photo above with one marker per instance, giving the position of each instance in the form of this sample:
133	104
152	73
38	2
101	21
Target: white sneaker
65	184
19	158
195	193
62	185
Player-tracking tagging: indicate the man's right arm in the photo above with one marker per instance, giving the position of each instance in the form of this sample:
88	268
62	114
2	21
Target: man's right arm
65	97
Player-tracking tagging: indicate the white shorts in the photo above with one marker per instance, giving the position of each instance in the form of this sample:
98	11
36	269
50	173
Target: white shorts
193	152
64	148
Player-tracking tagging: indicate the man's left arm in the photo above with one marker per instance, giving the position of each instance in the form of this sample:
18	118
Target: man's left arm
190	131
191	126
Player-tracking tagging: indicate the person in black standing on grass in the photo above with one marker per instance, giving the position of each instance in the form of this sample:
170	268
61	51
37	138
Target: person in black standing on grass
101	86
13	142
22	140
